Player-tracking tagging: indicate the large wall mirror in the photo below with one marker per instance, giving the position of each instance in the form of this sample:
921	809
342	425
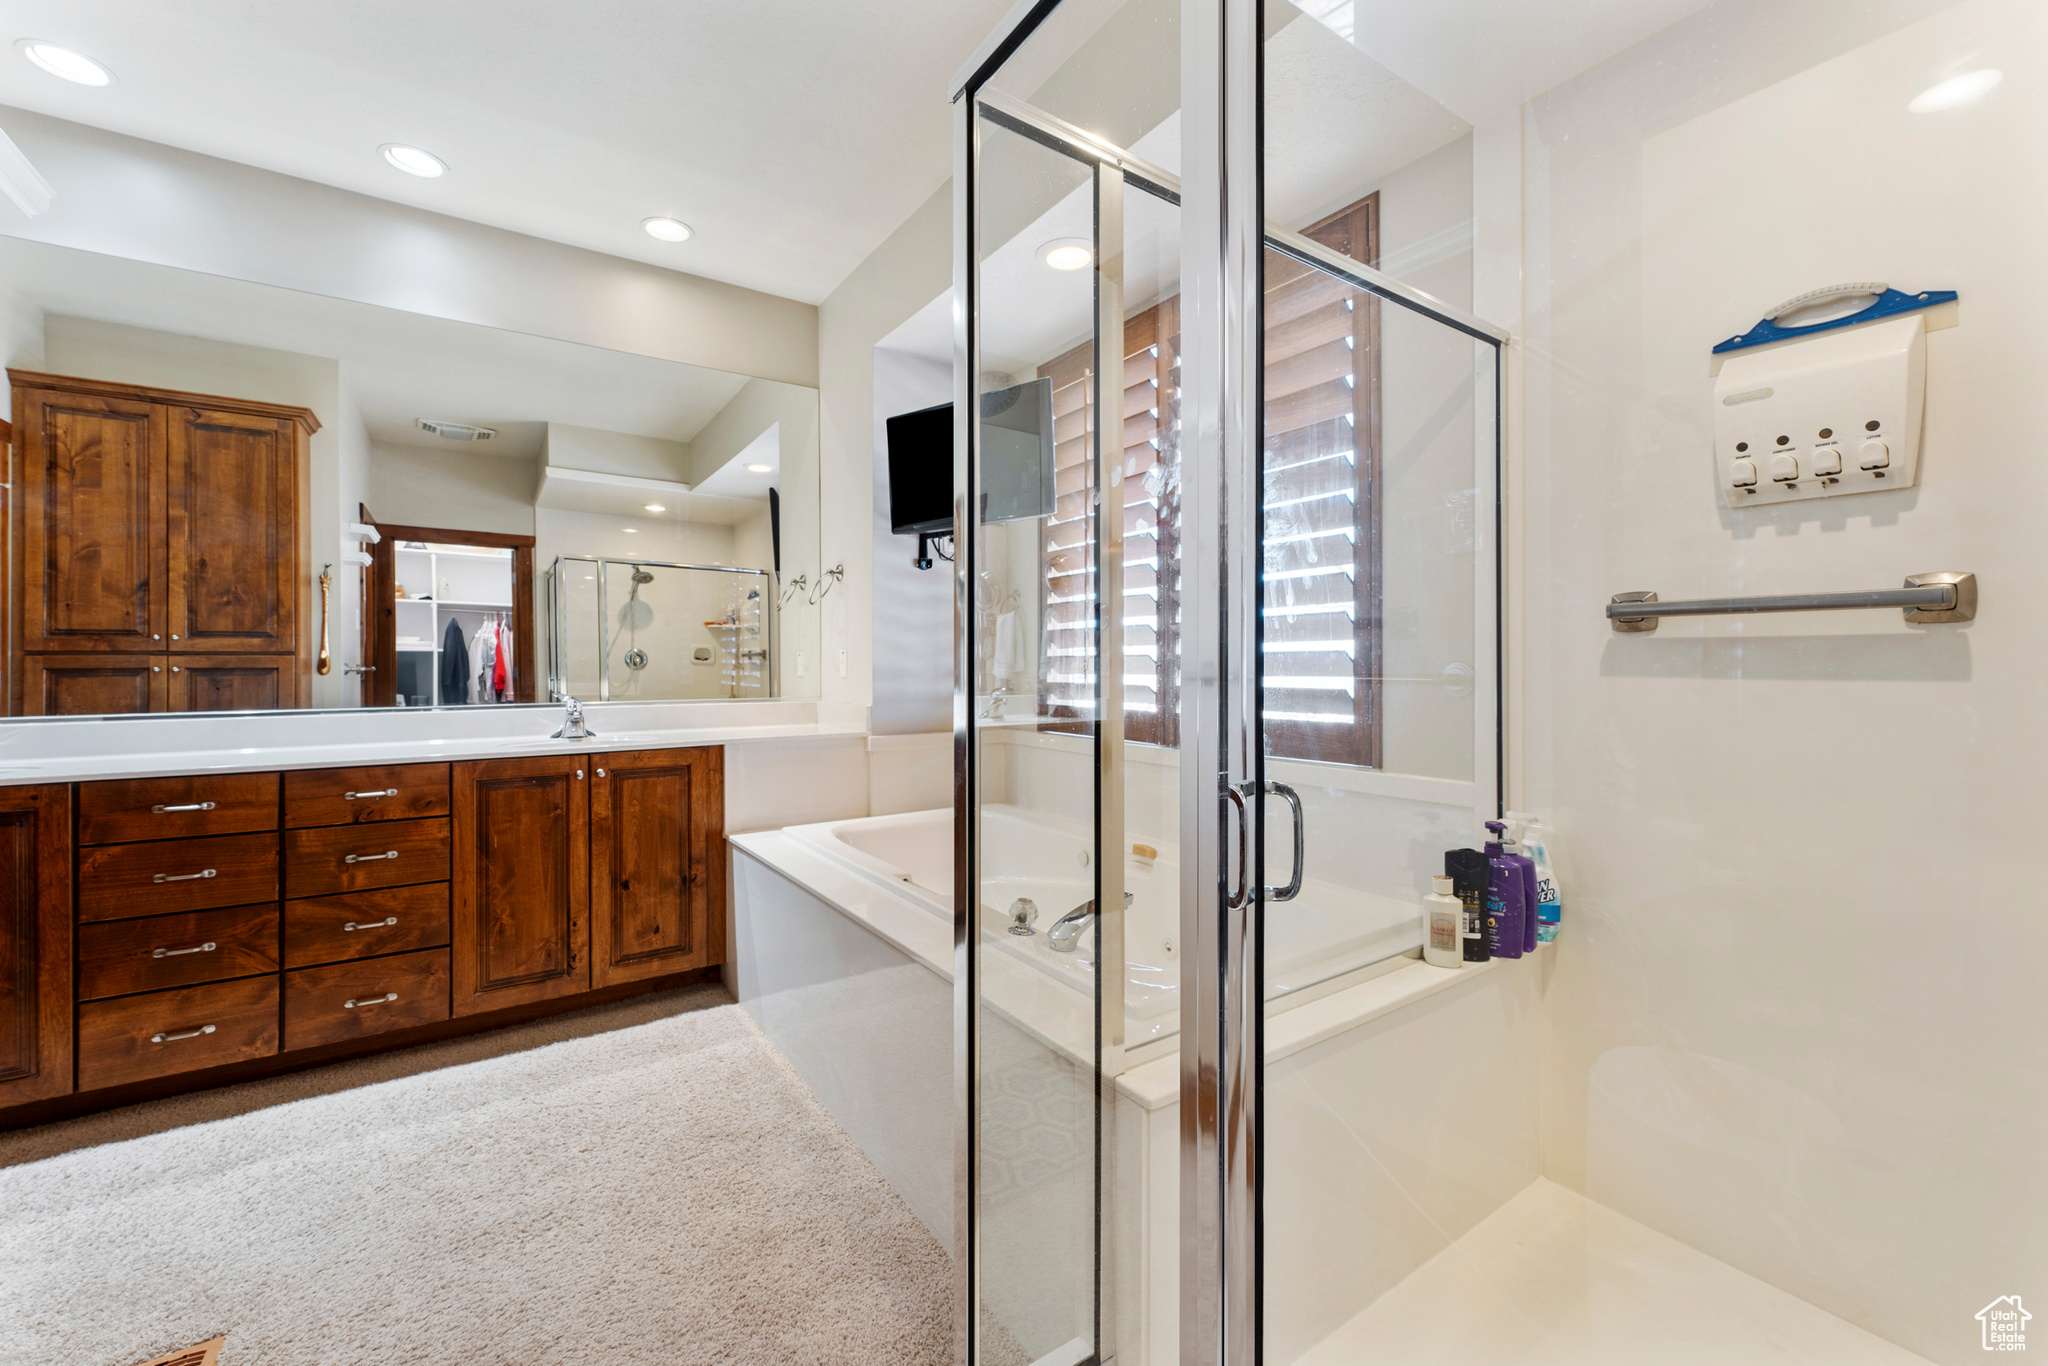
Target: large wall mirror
227	496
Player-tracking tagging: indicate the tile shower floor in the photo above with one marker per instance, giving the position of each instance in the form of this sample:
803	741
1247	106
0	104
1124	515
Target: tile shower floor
1567	1282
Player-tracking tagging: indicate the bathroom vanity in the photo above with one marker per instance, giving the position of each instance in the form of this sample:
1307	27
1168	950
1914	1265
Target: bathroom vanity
164	933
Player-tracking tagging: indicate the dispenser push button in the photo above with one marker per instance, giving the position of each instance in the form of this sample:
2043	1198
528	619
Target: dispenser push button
1827	459
1784	468
1873	455
1742	474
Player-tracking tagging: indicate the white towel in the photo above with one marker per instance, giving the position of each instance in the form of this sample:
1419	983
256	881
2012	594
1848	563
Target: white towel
1009	650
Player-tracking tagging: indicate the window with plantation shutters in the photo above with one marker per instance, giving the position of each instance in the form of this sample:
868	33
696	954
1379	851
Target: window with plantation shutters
1150	502
1321	678
1322	503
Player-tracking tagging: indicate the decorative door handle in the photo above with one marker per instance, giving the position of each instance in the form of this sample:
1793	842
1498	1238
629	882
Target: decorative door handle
186	877
370	858
188	1034
1293	887
1244	848
365	796
372	925
385	999
188	806
207	947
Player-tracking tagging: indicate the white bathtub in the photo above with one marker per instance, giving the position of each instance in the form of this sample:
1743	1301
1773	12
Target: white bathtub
1327	935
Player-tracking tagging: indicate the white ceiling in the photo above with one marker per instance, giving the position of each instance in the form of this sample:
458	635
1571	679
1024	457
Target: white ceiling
400	366
792	136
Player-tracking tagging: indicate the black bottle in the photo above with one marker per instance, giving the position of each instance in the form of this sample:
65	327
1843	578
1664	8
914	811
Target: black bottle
1469	874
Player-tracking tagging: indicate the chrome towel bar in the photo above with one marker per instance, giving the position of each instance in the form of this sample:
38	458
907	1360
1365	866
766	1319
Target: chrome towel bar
1946	596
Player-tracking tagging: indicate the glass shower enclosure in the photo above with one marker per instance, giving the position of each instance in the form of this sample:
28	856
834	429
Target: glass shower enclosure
650	630
1457	422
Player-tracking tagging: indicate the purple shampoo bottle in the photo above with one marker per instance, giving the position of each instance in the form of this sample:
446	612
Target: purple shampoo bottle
1501	847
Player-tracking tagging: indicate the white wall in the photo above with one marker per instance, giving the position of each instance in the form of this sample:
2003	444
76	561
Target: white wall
913	611
458	489
1797	1019
901	276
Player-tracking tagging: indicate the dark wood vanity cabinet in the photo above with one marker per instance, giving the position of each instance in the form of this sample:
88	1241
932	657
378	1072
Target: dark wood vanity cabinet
219	924
35	943
159	558
522	881
657	881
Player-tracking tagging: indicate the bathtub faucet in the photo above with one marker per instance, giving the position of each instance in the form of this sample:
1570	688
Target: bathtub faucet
1066	931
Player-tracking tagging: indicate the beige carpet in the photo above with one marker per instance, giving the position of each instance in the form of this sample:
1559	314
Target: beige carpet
644	1183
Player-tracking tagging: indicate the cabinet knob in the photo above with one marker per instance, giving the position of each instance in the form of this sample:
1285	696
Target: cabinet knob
174	635
600	773
155	637
174	668
156	668
579	775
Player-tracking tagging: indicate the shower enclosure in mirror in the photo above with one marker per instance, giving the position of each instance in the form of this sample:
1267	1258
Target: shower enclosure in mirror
649	630
229	496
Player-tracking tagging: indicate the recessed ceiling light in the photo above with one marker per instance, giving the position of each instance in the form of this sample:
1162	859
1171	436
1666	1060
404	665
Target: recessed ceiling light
62	61
1067	253
413	160
667	229
760	469
631	529
1955	92
656	507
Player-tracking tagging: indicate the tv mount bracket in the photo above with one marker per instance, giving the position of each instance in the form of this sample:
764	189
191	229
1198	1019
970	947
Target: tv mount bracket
924	551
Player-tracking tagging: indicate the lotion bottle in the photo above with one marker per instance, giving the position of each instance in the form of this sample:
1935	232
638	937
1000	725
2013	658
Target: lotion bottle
1443	926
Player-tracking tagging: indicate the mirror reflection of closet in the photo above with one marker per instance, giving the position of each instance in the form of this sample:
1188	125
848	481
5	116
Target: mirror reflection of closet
458	634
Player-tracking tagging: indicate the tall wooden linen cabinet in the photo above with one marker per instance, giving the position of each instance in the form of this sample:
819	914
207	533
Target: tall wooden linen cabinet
157	549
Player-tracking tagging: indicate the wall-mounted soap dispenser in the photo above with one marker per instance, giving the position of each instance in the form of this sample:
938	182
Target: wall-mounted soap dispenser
1818	409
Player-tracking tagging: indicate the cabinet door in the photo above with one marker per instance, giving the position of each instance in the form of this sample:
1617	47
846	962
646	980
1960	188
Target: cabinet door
232	682
35	943
657	890
234	533
92	517
520	882
92	685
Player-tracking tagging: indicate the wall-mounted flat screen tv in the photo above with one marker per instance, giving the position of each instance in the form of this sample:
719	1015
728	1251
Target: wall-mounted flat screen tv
1016	461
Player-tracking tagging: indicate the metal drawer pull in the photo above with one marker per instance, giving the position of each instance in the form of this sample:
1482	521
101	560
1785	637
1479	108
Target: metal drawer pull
207	947
373	925
188	806
385	999
370	858
365	796
186	877
188	1034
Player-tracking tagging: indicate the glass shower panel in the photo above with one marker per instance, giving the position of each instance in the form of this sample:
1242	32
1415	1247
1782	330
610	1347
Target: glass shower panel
1035	693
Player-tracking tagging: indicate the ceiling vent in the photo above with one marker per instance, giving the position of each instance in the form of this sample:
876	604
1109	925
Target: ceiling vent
456	431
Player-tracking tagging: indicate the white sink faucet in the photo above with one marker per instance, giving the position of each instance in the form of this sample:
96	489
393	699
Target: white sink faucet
573	727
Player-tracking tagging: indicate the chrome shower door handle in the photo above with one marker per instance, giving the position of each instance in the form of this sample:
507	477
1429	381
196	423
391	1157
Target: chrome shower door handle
1244	847
1293	887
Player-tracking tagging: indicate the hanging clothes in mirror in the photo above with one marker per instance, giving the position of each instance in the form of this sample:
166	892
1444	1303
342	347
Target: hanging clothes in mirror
454	666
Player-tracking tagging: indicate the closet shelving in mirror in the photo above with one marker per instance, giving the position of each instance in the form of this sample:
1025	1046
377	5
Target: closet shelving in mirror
442	584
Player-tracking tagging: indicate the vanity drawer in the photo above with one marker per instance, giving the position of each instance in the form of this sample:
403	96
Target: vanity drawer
334	929
139	1037
353	1000
349	858
353	796
122	881
119	957
175	808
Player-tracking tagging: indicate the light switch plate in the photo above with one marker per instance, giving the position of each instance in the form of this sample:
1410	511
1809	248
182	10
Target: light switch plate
1852	398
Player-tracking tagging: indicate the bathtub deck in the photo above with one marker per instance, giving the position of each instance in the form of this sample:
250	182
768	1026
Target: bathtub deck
1561	1281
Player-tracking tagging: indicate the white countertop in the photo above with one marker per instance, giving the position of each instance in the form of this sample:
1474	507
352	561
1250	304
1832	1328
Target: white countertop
92	749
